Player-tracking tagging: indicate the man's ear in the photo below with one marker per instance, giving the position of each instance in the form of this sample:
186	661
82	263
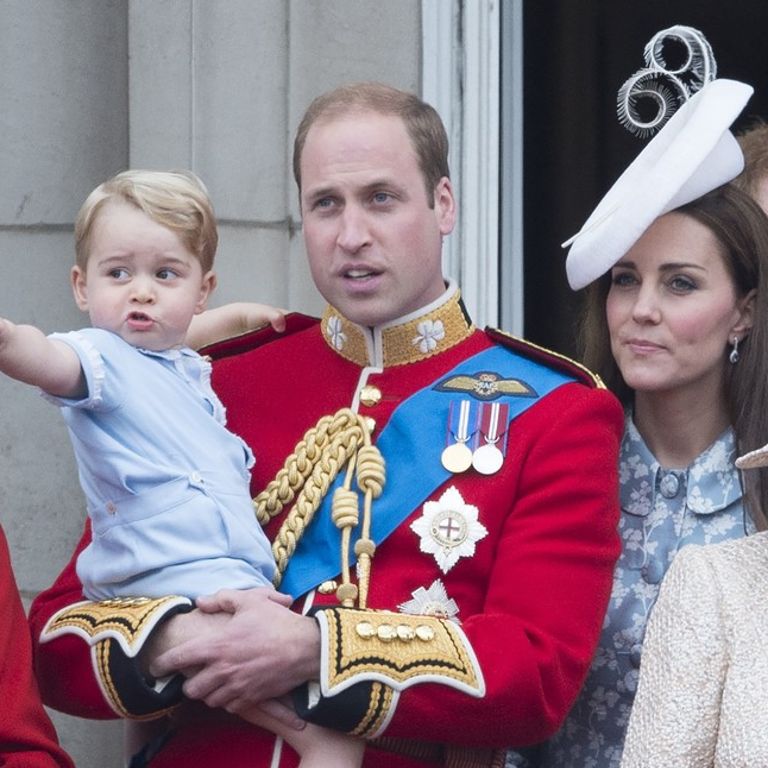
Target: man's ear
445	205
207	286
79	287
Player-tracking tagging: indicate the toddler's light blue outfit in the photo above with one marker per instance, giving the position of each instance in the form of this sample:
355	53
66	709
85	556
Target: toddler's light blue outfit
166	484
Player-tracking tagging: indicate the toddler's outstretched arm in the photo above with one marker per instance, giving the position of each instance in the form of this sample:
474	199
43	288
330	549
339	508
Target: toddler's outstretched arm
28	355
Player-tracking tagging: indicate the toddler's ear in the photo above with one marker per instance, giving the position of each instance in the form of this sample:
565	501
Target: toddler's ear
207	286
79	287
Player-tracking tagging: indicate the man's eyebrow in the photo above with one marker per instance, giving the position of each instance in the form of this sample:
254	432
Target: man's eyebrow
389	182
375	183
320	191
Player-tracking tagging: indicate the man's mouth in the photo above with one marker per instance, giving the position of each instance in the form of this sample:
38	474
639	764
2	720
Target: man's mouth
359	274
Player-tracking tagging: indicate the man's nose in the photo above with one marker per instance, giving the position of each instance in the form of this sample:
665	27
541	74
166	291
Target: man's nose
354	232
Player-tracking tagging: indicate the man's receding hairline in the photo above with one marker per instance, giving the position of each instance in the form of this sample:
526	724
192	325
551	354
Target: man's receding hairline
333	115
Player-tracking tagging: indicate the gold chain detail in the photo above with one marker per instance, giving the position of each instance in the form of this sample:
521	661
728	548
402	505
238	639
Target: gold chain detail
336	441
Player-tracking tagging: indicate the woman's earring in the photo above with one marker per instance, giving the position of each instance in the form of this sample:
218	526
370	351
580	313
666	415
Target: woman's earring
734	356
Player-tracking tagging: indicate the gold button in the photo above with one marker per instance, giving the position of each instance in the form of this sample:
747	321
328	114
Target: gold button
370	395
327	587
365	630
386	633
425	633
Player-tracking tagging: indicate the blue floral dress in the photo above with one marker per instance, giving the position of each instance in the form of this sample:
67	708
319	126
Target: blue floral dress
662	511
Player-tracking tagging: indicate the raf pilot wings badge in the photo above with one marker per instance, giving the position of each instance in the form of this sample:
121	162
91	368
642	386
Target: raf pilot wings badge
486	386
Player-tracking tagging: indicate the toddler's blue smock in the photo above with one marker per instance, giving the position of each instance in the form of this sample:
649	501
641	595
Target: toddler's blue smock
166	484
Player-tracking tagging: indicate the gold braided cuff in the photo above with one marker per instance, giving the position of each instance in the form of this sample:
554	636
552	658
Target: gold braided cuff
128	620
116	630
399	650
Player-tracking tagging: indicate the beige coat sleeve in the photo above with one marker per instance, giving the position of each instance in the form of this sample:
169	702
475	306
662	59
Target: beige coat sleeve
675	716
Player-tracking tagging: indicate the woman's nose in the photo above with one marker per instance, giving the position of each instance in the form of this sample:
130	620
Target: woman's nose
646	306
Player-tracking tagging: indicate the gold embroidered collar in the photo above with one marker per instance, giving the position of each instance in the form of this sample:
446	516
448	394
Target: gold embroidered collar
417	336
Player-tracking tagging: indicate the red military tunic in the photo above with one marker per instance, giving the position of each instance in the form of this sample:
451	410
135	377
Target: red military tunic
519	561
27	737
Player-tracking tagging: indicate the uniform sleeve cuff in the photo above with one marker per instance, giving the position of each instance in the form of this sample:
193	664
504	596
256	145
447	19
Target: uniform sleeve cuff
116	630
369	657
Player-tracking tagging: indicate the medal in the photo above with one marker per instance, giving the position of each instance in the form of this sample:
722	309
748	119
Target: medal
448	529
488	457
432	601
457	456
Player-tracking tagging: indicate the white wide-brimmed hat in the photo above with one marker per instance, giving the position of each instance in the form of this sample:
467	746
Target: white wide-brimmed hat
693	153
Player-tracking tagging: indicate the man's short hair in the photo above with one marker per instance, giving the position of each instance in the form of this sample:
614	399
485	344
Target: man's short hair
423	124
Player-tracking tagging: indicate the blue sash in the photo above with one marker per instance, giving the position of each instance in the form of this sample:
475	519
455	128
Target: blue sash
411	443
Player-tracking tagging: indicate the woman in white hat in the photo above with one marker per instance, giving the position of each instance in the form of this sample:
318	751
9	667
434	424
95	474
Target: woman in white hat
700	698
677	325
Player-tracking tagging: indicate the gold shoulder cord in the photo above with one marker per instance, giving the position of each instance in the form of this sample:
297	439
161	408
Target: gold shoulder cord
336	441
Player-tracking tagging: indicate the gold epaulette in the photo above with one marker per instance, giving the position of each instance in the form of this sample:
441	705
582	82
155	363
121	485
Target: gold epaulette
547	357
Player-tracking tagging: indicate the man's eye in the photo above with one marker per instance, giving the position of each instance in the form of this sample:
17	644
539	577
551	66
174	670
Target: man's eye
382	197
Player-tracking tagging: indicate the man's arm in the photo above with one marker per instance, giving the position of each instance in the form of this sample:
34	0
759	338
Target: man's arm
232	320
28	355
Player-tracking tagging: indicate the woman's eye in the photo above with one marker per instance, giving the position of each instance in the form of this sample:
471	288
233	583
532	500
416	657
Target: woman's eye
623	279
682	284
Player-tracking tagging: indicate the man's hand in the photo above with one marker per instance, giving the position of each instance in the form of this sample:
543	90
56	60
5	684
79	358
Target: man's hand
262	651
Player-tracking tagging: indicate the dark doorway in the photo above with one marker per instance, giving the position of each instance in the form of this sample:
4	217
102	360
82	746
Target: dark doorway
577	54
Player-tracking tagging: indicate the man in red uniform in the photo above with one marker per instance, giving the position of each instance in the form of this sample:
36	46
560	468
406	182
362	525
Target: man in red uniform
469	476
27	737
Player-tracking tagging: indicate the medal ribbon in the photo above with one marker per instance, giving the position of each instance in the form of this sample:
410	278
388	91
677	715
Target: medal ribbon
493	416
462	413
